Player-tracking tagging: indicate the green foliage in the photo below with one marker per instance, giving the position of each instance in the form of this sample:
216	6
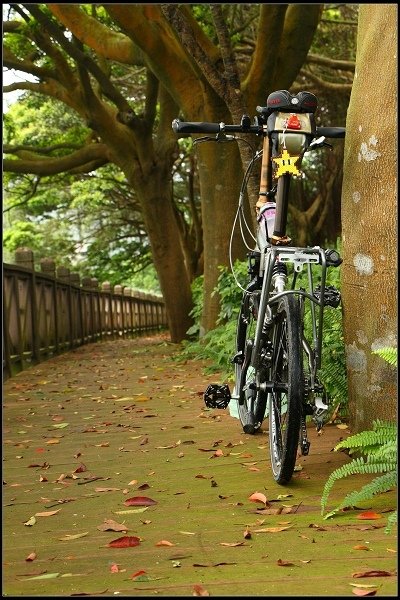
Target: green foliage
217	346
378	449
388	354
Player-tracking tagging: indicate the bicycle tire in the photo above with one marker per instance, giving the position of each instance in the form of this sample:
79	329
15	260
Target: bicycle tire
251	403
285	401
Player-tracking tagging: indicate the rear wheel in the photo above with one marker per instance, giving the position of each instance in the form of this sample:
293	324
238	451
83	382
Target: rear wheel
285	401
251	403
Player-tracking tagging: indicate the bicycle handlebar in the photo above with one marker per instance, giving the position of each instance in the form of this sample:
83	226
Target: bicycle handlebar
204	127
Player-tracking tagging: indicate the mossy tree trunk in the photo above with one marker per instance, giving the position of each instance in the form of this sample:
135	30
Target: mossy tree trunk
369	205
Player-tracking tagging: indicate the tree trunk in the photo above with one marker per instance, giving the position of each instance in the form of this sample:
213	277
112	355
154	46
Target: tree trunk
164	235
369	219
218	163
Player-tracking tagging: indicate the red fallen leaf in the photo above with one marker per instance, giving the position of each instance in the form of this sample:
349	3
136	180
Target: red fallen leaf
31	557
125	542
138	574
284	563
369	515
372	574
360	592
139	501
258	497
198	590
114	568
81	469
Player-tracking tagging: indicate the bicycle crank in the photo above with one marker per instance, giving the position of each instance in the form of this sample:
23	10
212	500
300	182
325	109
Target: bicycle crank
217	396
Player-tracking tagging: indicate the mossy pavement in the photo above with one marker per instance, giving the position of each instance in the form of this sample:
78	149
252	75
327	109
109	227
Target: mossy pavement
90	429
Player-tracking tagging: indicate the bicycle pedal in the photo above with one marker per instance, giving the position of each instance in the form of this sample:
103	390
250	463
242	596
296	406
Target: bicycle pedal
217	396
332	295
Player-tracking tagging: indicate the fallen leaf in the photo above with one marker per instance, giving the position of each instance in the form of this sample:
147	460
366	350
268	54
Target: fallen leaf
258	497
110	525
125	542
49	513
139	501
30	522
45	576
342	426
31	557
247	534
140	576
272	529
164	543
284	563
130	512
53	441
218	453
360	547
369	515
232	544
133	482
72	536
114	568
198	590
81	469
372	574
361	592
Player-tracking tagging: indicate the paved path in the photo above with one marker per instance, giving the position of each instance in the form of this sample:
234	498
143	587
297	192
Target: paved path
86	431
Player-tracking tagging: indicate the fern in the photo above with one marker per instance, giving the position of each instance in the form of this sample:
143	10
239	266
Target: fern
380	448
392	519
379	485
357	466
389	354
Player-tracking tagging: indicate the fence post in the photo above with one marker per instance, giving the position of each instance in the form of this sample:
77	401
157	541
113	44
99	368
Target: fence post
24	258
48	266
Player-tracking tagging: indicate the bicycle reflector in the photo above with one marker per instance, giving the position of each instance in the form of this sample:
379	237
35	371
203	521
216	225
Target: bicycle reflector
293	122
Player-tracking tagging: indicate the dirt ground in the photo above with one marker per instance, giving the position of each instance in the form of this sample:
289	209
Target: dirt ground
118	481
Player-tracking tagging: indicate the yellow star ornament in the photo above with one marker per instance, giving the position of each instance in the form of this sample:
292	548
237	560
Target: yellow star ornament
286	164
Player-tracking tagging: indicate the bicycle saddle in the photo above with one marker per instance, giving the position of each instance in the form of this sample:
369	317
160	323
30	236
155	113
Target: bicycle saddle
284	101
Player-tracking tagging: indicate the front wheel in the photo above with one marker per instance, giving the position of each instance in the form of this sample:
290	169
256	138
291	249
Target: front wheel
286	398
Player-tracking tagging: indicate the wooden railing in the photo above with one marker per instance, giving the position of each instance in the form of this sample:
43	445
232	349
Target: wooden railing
51	311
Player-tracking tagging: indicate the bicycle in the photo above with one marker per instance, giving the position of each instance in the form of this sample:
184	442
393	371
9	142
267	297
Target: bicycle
276	366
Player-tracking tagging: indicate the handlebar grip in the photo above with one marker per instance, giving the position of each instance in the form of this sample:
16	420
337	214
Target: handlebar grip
332	132
187	127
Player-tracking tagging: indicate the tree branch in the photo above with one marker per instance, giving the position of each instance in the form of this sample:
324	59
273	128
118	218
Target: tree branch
326	85
33	162
81	58
189	41
112	45
343	65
